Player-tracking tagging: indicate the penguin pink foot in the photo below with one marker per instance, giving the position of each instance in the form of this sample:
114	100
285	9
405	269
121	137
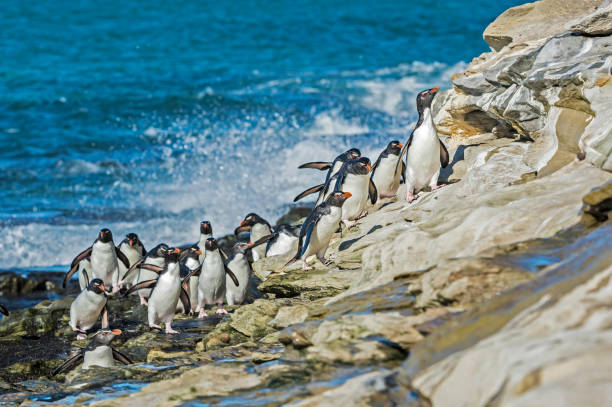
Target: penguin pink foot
305	267
143	300
169	329
81	336
220	310
116	289
155	326
202	313
411	197
362	215
349	223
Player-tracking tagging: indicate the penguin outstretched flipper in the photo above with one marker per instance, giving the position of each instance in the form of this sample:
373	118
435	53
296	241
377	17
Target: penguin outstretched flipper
74	266
121	256
140	286
132	268
3	310
372	192
223	254
232	275
152	267
184	297
312	190
121	357
262	240
305	234
318	165
69	364
443	155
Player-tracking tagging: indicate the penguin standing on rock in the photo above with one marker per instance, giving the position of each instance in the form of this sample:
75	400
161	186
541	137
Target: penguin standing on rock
386	173
190	271
259	228
148	269
87	307
425	152
166	292
333	169
134	250
97	353
319	228
354	177
103	256
239	264
211	289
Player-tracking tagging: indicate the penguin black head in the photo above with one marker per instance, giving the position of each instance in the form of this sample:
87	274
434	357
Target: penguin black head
248	222
338	198
349	154
96	285
205	228
158	251
425	98
394	147
211	244
132	239
359	166
105	236
192	252
172	254
105	336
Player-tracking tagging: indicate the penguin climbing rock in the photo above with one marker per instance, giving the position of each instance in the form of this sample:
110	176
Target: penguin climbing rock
103	256
97	353
354	177
326	188
147	269
87	308
166	291
134	250
283	240
239	264
319	228
424	151
386	173
259	228
211	288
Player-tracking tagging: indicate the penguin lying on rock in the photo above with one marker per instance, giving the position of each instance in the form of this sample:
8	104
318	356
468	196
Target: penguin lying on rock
425	152
319	228
166	291
333	169
97	353
103	256
354	177
386	173
87	308
3	310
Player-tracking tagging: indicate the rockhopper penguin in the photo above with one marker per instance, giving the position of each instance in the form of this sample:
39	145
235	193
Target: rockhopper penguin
87	307
259	228
134	250
386	173
211	288
147	269
354	177
425	152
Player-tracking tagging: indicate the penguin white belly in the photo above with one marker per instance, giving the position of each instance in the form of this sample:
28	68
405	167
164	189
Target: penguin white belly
85	310
211	288
258	231
144	275
322	232
242	270
423	157
201	244
164	298
387	176
283	244
104	263
358	186
133	255
100	356
193	291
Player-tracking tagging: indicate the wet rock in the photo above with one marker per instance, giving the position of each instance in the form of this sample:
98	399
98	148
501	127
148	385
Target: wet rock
46	316
288	316
307	284
252	320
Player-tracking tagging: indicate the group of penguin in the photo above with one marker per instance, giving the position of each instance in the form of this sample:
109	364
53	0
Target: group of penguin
188	278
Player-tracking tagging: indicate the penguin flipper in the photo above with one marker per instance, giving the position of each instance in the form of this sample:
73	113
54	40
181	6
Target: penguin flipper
232	275
401	156
443	155
195	272
121	357
184	297
105	316
318	165
264	239
223	254
85	277
372	192
143	251
152	267
3	310
68	364
309	191
140	286
81	256
132	268
403	171
122	257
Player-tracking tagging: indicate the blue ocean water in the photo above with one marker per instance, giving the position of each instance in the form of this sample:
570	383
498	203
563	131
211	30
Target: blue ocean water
151	116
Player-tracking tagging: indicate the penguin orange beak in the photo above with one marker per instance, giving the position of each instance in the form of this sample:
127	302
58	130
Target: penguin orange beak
347	194
102	287
131	242
101	234
177	250
400	145
116	331
434	90
199	251
242	223
250	244
368	167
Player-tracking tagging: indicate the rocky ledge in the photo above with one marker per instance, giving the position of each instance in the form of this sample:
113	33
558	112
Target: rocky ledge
494	290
